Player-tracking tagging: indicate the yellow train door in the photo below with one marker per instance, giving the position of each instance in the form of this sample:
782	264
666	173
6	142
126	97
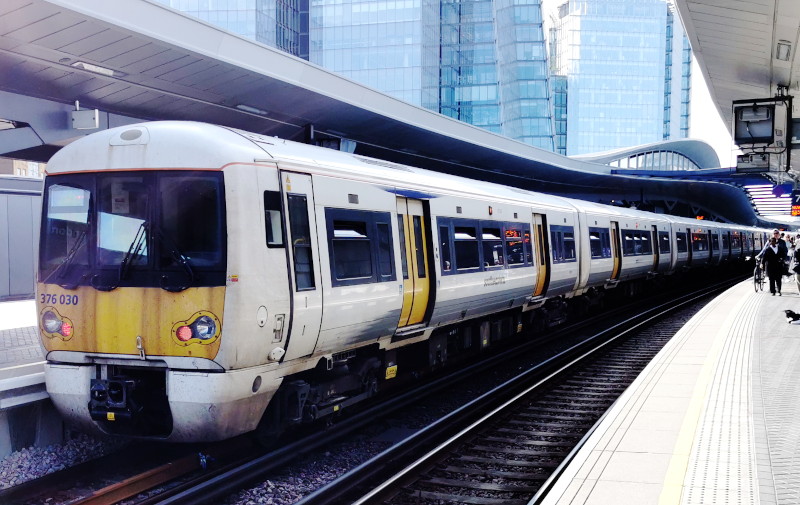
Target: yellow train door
616	251
414	259
541	249
656	244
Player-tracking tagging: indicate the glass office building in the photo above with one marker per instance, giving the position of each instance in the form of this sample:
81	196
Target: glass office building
625	73
479	61
277	23
618	76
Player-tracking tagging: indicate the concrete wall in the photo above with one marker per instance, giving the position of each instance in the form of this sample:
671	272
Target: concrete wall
20	210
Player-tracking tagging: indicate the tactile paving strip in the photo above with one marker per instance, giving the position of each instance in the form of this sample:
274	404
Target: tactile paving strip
722	466
776	390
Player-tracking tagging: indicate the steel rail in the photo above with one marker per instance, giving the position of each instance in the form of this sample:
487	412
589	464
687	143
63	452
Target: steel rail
400	463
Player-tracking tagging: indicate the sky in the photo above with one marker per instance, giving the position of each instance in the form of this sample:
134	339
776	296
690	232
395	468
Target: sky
705	122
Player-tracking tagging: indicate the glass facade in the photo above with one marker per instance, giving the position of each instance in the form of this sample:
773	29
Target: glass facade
621	60
612	80
522	71
380	43
479	61
469	77
558	83
277	23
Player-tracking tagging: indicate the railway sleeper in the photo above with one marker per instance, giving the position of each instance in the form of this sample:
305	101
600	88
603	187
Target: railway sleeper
528	476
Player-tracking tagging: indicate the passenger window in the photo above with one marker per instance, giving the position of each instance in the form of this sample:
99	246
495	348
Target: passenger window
384	250
301	242
492	248
663	242
401	227
699	242
600	242
444	248
466	247
595	245
647	246
680	242
555	246
628	243
569	246
360	246
273	220
562	243
419	245
515	247
351	250
528	246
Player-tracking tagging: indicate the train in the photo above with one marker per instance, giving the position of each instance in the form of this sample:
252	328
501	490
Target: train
197	282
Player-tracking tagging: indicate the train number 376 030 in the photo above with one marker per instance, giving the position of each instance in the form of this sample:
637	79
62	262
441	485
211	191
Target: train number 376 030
52	299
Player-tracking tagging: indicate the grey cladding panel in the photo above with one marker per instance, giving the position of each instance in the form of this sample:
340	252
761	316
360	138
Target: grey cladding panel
4	242
21	249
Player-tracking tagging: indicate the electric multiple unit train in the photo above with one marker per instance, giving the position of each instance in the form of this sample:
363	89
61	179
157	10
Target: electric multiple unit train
197	282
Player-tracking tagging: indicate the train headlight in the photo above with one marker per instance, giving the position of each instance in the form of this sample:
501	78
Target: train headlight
51	322
204	328
56	325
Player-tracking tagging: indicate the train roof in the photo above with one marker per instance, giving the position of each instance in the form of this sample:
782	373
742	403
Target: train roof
164	145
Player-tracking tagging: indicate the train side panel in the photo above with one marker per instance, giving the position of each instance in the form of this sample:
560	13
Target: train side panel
361	280
563	228
474	275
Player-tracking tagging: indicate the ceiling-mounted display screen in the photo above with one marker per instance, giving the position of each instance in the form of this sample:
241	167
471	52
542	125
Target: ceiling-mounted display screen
754	124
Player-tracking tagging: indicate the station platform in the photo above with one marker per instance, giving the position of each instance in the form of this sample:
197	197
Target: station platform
19	338
713	419
26	417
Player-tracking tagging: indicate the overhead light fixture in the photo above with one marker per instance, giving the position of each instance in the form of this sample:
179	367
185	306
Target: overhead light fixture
252	110
783	51
97	69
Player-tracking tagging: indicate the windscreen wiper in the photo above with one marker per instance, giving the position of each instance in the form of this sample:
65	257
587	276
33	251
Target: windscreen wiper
63	267
179	258
134	251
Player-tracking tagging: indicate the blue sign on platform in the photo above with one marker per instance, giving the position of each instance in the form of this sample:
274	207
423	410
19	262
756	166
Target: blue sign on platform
796	202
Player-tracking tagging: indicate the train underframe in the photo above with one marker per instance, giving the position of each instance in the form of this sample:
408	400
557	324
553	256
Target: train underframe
350	378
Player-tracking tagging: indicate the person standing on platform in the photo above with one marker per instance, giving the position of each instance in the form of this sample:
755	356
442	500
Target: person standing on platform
796	262
773	257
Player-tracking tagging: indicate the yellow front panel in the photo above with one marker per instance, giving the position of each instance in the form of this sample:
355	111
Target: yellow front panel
110	322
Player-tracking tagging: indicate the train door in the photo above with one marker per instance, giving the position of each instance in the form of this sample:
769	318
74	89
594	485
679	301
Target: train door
710	246
689	246
656	247
541	254
414	259
616	252
301	231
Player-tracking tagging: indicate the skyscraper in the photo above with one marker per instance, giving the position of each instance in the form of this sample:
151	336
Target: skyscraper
479	61
618	76
624	68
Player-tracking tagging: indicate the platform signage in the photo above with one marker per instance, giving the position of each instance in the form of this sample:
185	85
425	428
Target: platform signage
796	202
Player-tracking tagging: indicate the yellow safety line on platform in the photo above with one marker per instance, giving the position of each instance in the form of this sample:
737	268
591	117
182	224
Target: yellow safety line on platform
676	472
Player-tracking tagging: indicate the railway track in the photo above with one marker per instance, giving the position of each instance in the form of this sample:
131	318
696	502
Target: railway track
503	447
180	480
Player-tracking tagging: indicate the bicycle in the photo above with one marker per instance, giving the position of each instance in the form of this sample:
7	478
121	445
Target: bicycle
758	277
